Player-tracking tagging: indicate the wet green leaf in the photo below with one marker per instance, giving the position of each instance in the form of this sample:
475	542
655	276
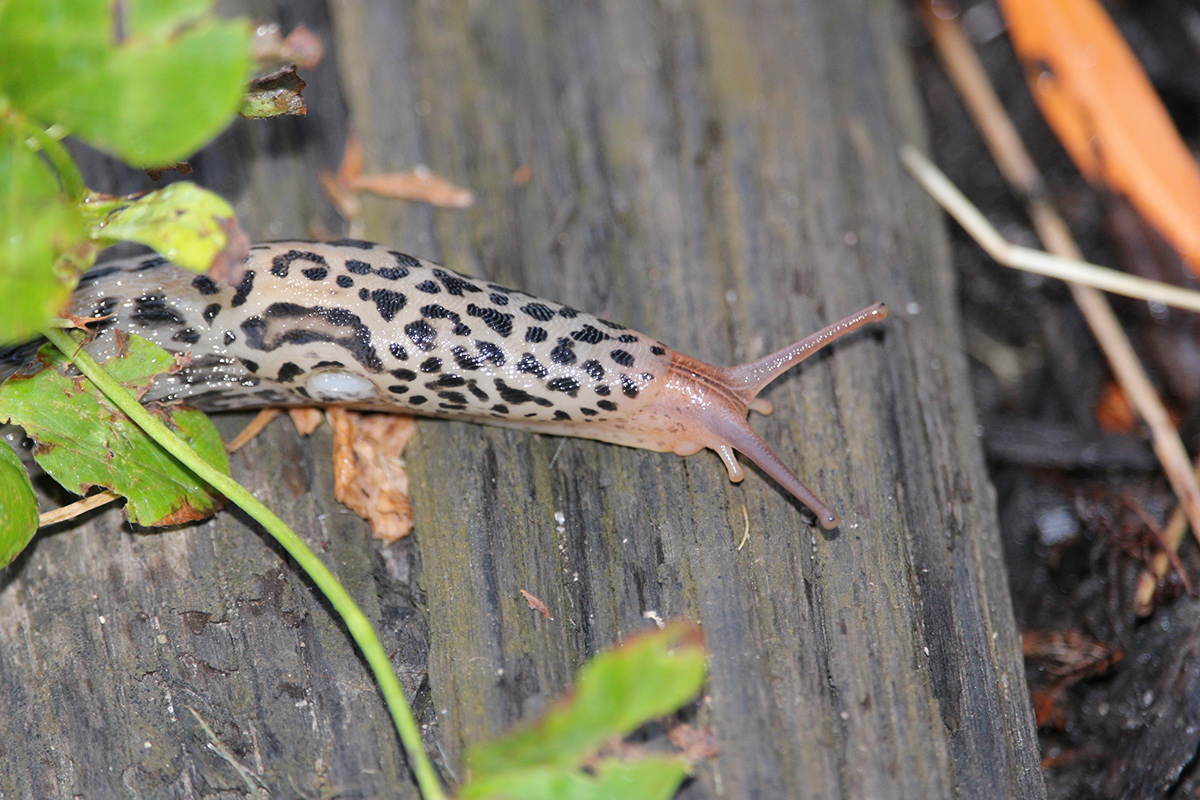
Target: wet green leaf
82	441
615	693
150	81
18	506
37	224
186	224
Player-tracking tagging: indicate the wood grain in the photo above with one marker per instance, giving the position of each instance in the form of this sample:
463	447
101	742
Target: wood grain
720	175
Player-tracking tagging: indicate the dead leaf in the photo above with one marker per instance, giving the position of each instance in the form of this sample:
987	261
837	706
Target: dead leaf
306	419
275	95
419	185
697	744
1104	110
369	475
536	605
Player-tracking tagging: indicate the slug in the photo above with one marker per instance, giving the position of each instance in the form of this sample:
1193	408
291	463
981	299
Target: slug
356	324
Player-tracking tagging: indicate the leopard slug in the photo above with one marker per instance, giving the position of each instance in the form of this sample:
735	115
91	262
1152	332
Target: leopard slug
356	324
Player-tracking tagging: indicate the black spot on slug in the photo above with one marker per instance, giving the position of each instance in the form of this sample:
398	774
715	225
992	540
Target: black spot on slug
627	338
278	326
323	364
612	325
357	243
534	334
500	408
204	285
590	335
464	359
428	287
288	371
448	381
398	352
530	365
431	365
498	299
250	365
511	394
417	400
364	294
568	313
628	387
562	415
454	284
658	351
358	267
152	311
607	405
603	391
404	259
474	389
315	273
243	289
563	352
593	368
422	334
453	397
498	321
568	386
388	302
345	281
281	264
210	312
588	412
153	263
491	352
622	357
230	338
187	336
539	311
398	389
403	374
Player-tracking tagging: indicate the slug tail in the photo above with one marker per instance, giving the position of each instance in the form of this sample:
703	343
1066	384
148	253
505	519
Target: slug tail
750	379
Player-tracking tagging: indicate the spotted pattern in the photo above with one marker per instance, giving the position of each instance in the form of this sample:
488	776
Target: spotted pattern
429	340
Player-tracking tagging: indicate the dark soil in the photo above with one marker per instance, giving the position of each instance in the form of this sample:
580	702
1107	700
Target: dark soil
1117	696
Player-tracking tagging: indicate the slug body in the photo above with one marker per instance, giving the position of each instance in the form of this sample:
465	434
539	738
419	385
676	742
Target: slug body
355	324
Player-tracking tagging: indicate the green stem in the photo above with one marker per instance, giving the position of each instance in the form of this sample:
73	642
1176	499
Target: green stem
68	173
356	622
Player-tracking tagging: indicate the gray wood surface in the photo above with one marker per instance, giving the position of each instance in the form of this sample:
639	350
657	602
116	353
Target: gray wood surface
718	174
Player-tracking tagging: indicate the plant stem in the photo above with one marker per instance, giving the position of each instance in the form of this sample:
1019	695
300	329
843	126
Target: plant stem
356	622
68	173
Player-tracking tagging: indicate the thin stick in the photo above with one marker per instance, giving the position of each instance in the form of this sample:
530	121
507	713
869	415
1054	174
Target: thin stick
73	510
252	429
947	195
1018	168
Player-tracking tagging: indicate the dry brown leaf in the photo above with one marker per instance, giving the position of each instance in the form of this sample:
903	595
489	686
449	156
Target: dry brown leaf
419	185
536	605
1103	109
306	419
368	472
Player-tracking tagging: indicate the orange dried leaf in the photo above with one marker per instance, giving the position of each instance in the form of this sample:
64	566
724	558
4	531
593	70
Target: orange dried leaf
535	604
368	472
420	185
1103	109
1113	412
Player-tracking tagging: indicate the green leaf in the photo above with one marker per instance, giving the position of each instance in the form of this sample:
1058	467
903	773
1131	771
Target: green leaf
37	225
615	693
151	82
186	224
654	778
82	441
18	506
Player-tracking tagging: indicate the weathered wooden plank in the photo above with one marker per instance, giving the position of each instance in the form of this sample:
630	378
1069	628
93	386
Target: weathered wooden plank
720	175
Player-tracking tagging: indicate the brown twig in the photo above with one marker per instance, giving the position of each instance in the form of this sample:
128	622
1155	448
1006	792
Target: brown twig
81	506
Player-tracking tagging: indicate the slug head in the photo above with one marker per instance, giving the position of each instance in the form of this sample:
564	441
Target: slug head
705	406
